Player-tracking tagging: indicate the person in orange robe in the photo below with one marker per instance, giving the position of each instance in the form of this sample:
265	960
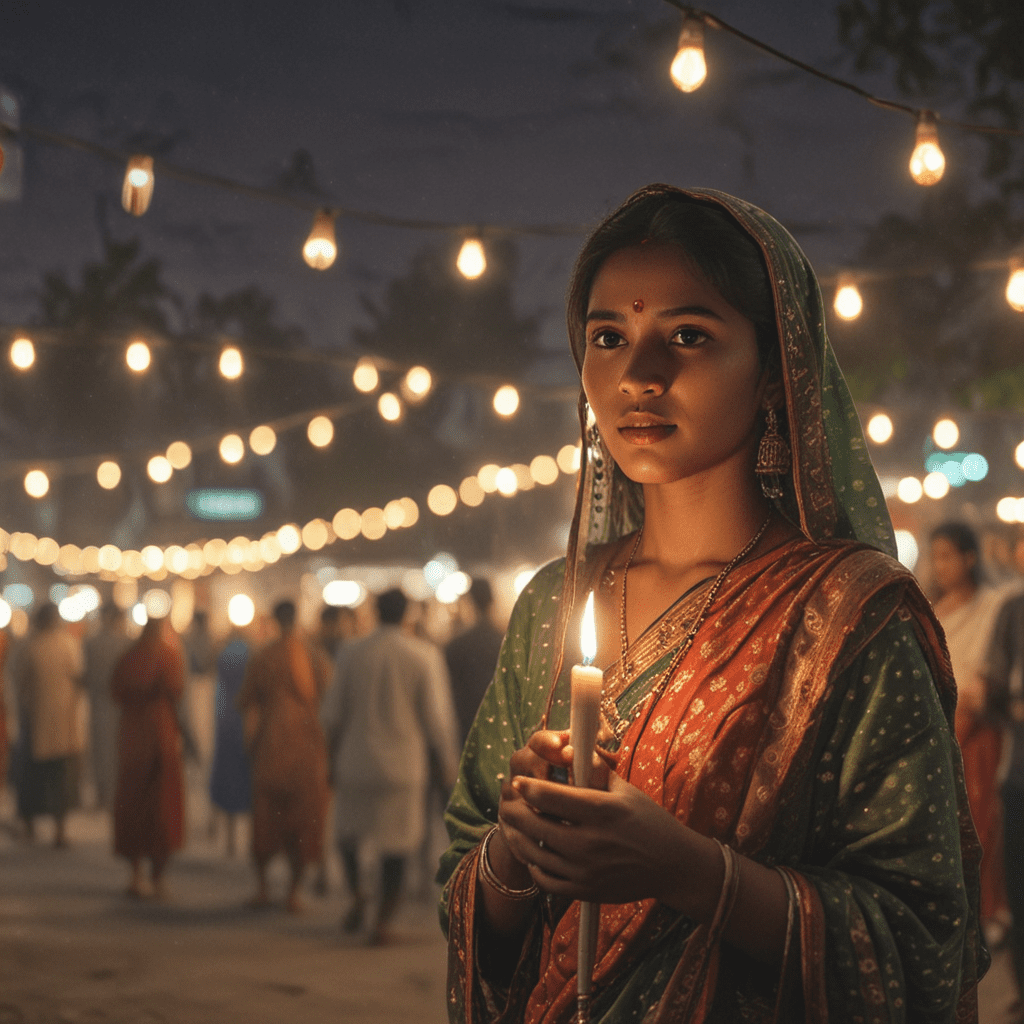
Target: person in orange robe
279	701
149	801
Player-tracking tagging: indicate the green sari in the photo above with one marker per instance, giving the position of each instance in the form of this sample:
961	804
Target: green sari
809	727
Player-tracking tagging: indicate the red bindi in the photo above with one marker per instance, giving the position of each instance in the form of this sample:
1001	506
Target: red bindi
638	305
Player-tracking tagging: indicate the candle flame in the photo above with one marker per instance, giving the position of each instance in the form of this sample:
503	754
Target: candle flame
588	633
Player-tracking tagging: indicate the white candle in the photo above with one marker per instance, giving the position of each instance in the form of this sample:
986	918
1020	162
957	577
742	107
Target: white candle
584	720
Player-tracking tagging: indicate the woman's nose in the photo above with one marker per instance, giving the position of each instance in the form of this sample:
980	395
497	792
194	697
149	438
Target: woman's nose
645	372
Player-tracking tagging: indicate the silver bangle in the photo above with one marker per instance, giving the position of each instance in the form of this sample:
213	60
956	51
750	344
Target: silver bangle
486	873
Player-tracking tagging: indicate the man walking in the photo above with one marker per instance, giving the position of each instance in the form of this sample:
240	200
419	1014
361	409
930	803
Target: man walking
388	708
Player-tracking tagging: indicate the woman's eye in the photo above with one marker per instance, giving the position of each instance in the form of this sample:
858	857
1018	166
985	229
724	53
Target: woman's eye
688	337
606	339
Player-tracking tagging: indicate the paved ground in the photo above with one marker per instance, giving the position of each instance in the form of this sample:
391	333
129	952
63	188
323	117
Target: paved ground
74	950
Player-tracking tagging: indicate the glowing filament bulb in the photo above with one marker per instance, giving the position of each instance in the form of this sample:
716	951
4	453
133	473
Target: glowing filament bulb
689	69
389	406
138	357
1014	288
506	400
263	439
880	428
927	162
588	633
472	261
23	352
946	434
37	483
137	190
232	448
848	303
231	363
159	469
365	377
108	475
320	431
417	383
321	248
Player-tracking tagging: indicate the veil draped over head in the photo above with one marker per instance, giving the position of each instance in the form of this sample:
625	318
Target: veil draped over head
831	491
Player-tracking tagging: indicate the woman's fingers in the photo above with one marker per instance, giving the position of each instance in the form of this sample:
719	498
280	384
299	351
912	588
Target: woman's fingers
577	806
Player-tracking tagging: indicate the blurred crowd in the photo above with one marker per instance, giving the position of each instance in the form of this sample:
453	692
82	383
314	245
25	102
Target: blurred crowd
298	740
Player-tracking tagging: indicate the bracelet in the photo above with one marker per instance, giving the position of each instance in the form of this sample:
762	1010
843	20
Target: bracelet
486	873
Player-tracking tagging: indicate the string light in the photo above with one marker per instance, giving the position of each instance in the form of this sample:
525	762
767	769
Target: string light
108	475
23	352
179	455
946	434
241	610
347	523
137	191
880	428
927	163
372	524
138	357
416	384
487	477
390	407
544	470
442	500
365	377
848	303
320	431
321	248
506	400
689	68
1015	285
909	490
231	363
262	440
470	492
936	485
37	483
472	260
159	469
232	448
506	481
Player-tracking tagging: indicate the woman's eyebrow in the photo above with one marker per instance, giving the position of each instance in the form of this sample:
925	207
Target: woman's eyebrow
610	314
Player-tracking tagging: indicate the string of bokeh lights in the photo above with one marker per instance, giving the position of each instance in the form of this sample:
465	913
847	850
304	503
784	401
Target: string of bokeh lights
193	560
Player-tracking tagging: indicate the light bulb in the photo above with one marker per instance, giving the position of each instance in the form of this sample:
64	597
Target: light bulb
138	357
232	448
231	363
389	406
137	190
108	475
880	428
159	469
37	483
848	302
946	434
472	260
1014	288
417	383
506	400
321	248
23	352
927	162
262	440
689	69
320	431
365	377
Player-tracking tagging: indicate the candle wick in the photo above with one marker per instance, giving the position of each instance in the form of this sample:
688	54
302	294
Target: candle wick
587	660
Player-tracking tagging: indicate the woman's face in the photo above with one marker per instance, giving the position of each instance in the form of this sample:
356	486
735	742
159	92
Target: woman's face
951	567
670	369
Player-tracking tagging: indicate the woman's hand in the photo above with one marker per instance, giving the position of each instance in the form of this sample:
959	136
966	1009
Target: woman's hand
609	846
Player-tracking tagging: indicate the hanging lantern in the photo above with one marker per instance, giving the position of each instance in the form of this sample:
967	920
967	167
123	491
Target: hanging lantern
321	248
138	185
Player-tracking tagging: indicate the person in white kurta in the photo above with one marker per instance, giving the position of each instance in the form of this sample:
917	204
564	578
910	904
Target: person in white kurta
388	709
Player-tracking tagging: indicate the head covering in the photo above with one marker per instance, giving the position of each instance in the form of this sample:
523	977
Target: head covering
832	490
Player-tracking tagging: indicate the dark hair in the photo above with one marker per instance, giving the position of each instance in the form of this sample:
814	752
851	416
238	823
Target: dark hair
710	240
965	540
391	606
46	616
480	593
284	612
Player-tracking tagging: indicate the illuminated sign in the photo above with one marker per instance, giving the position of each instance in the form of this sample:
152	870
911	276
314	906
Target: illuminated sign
224	503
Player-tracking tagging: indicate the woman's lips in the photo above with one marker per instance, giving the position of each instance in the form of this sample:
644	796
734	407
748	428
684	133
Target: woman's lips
649	434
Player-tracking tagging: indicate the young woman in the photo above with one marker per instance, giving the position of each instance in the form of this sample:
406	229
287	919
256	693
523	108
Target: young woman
967	610
785	833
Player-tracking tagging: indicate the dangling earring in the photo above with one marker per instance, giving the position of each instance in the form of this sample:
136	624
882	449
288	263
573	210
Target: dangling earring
772	457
